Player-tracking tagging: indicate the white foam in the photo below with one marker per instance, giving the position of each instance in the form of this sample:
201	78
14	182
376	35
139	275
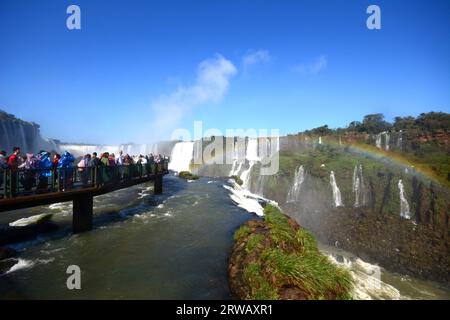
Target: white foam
27	221
367	280
20	265
247	200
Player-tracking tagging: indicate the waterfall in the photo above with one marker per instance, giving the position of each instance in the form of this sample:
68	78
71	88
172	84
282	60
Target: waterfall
358	186
294	192
404	206
400	140
378	141
336	192
7	140
252	150
387	138
320	140
23	138
181	156
246	175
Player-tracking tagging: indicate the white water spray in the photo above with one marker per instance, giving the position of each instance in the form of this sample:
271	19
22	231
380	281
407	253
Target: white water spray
336	192
294	192
404	205
181	156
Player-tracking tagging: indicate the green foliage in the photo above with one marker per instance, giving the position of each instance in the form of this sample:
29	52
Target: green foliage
261	288
253	241
290	258
238	180
188	175
243	231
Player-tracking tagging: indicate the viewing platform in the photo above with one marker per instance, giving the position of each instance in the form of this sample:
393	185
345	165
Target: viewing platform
36	187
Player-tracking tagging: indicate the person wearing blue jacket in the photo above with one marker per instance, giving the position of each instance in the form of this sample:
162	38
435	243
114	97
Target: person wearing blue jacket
44	163
65	168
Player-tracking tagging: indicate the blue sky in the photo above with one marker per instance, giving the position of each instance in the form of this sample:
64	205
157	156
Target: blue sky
139	69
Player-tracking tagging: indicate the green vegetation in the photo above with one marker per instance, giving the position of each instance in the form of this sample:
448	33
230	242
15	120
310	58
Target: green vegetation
238	180
242	232
282	261
188	175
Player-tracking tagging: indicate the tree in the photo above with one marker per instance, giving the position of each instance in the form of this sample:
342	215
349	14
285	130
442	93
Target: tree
375	123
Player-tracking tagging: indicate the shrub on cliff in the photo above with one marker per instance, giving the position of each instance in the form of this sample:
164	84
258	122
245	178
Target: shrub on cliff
187	175
238	180
277	259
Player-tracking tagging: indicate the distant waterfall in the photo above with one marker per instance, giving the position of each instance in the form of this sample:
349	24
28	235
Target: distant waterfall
404	206
336	192
260	185
387	137
378	141
294	192
320	140
181	156
246	175
400	140
358	186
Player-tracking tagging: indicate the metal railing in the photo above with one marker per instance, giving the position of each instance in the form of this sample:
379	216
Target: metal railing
24	182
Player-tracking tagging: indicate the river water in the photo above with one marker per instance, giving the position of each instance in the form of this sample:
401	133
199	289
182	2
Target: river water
173	246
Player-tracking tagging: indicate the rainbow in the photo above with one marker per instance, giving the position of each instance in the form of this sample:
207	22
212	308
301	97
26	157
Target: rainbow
394	157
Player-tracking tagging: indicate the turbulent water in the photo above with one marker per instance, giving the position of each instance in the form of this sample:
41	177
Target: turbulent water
173	246
372	282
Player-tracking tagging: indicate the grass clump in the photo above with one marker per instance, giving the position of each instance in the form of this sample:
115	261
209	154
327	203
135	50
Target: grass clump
243	231
261	288
188	175
281	261
253	241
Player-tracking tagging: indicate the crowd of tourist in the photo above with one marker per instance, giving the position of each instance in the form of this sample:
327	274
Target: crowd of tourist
41	167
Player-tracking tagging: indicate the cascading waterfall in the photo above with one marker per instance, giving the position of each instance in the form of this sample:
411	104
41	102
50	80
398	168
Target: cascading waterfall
23	138
7	141
181	156
400	140
358	186
252	156
387	137
320	140
336	192
404	205
294	192
378	141
246	175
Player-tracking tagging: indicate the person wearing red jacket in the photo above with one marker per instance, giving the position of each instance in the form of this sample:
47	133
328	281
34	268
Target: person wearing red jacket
13	160
13	164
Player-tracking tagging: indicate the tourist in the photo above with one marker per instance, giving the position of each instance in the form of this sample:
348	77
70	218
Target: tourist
112	159
84	168
95	161
13	164
45	166
29	162
119	159
105	168
65	166
56	158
